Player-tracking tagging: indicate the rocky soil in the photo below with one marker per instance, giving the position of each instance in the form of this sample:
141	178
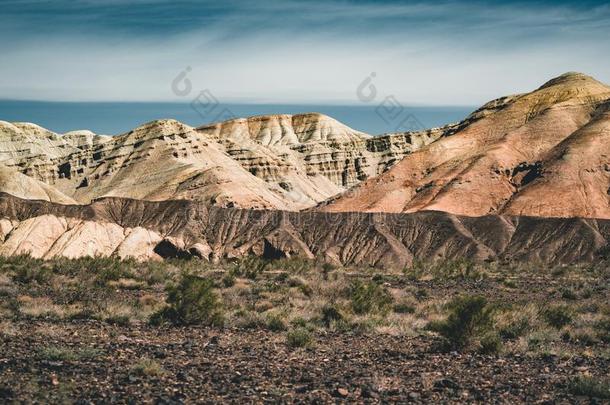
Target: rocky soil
76	335
207	365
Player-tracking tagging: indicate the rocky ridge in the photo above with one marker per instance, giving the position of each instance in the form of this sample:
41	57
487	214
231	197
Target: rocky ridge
268	162
155	230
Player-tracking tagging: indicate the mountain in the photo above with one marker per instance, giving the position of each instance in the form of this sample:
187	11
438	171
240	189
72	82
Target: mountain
544	153
483	188
287	162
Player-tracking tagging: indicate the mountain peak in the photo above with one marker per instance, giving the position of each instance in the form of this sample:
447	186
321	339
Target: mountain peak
570	79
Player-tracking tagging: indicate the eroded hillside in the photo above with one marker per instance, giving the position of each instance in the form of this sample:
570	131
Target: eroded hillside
545	153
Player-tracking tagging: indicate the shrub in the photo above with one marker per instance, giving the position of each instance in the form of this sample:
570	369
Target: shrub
248	320
55	353
192	301
446	270
369	298
299	337
294	265
330	313
249	267
327	268
156	272
582	336
415	271
30	272
490	343
404	307
299	322
590	387
558	316
275	323
228	280
514	322
104	269
602	328
118	320
470	321
568	293
515	329
148	368
421	294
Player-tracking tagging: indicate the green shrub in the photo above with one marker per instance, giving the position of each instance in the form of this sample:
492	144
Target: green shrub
153	272
192	301
306	289
329	314
581	336
58	353
327	268
515	329
118	320
249	320
369	298
457	269
469	323
558	316
299	322
249	267
490	343
228	280
421	294
294	265
446	270
103	269
590	387
602	328
404	307
32	272
415	271
275	323
568	293
55	353
299	337
147	368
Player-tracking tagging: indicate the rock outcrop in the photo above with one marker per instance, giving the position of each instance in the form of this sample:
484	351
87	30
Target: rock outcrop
154	230
20	185
545	153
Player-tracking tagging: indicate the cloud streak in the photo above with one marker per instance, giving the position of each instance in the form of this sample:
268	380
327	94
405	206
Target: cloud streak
450	53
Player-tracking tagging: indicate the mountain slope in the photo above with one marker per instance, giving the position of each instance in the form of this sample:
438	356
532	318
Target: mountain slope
269	162
543	153
22	186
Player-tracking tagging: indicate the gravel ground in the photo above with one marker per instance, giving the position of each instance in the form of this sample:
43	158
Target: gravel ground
92	362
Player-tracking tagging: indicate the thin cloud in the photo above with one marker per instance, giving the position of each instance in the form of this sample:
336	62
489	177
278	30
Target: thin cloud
295	51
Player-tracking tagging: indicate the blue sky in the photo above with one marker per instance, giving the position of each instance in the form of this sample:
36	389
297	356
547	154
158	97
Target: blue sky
423	53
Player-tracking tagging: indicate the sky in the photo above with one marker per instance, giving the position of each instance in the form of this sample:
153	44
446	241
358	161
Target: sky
295	52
